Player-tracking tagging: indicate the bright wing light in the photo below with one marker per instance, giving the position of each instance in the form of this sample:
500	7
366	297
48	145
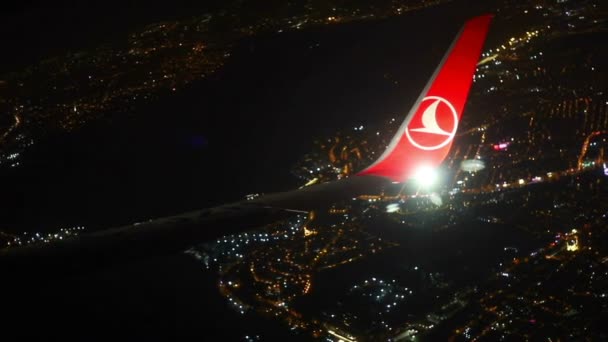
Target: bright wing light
426	176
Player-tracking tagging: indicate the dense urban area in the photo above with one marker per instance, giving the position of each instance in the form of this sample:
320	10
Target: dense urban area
511	241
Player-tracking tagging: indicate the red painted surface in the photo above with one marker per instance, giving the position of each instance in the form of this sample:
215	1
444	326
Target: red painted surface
427	139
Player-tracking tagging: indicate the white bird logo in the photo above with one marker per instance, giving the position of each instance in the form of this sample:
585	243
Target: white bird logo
430	125
429	121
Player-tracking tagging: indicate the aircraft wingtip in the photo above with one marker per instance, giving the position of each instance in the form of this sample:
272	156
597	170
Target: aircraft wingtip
426	134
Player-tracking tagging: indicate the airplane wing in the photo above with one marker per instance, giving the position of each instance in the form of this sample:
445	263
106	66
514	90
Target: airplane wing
422	141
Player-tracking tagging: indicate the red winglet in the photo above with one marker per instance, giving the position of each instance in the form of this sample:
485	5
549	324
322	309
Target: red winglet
426	134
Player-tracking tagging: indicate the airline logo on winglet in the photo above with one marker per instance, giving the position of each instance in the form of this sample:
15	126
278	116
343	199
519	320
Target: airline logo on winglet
434	132
426	135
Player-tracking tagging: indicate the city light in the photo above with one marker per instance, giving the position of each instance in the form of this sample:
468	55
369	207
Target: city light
472	165
393	207
572	245
501	147
542	107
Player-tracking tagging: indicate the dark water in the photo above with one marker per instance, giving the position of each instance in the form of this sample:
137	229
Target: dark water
159	298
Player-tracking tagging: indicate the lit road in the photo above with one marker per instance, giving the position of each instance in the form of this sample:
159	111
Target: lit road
10	129
586	147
